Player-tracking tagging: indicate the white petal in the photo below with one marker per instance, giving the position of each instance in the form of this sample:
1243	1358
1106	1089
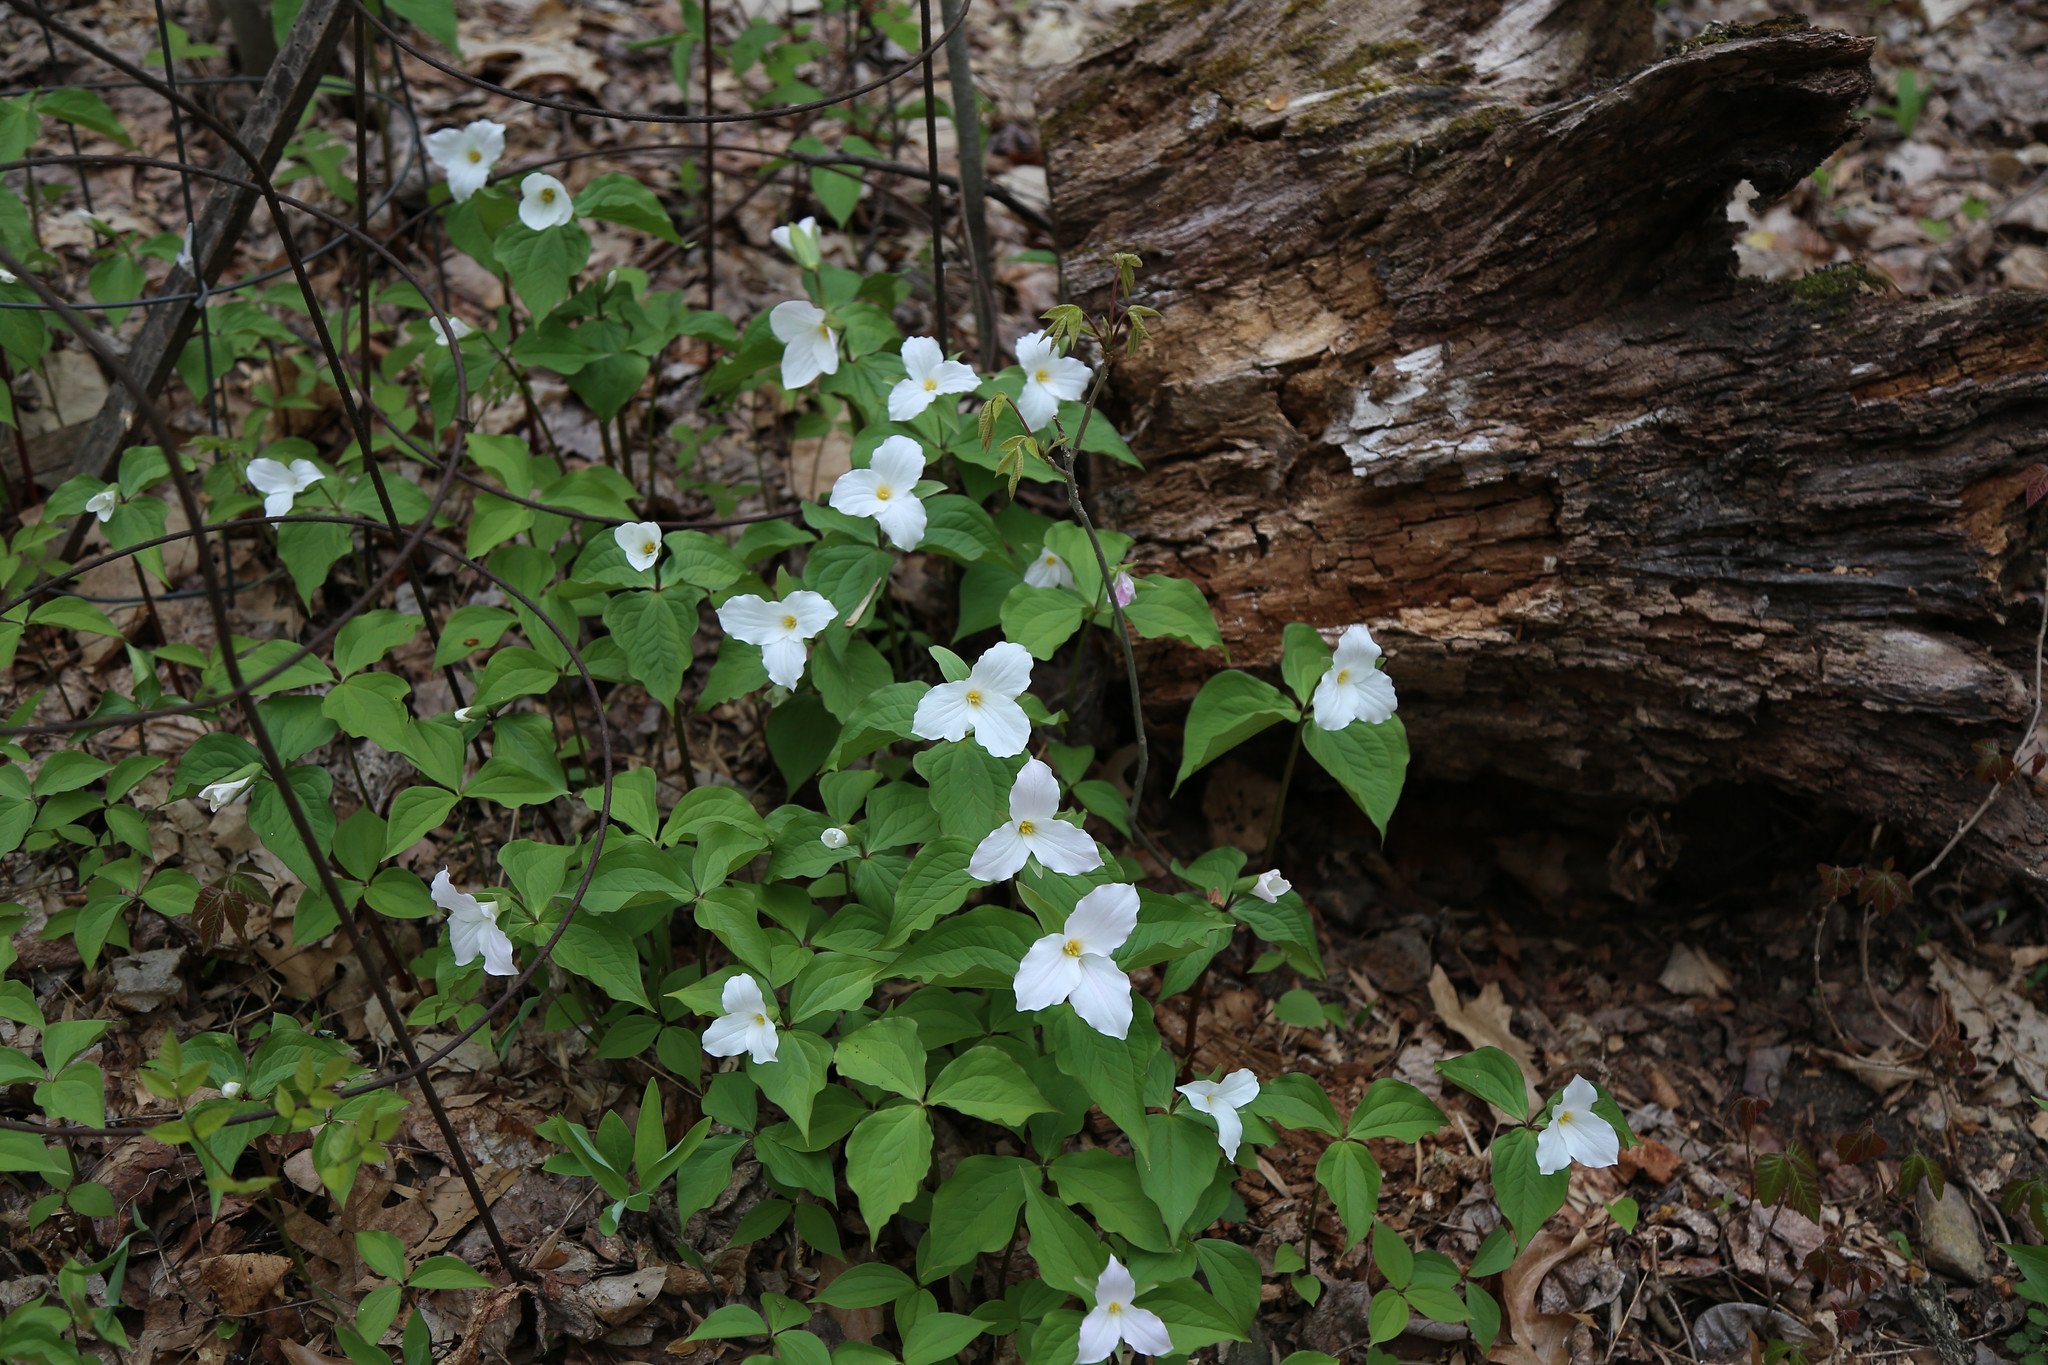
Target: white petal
279	504
1069	378
497	951
999	856
1114	1284
1376	699
544	202
1004	669
742	995
747	617
451	900
943	713
813	611
1229	1130
444	145
465	938
466	177
1001	727
808	356
1238	1089
854	493
1036	406
269	476
729	1035
1355	647
1047	975
1580	1094
304	474
1146	1332
794	318
784	659
1098	1337
902	519
1104	918
1201	1094
1102	996
762	1042
900	462
1336	704
955	377
921	355
1032	348
1064	848
641	540
1552	1155
908	398
1035	795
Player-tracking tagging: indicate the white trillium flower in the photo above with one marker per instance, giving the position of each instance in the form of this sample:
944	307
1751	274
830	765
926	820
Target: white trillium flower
927	375
1576	1133
833	838
641	540
230	1089
1355	688
780	628
1048	570
103	503
544	202
984	703
280	484
456	330
1035	831
467	154
8	276
1271	886
884	491
745	1026
183	259
218	794
1221	1100
809	345
1114	1318
1074	965
799	240
473	930
1123	589
1049	377
465	714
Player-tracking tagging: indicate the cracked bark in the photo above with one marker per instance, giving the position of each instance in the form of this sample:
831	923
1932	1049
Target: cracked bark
1452	345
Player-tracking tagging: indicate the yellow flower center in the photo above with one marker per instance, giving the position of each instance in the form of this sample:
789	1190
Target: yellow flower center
884	493
1026	828
547	196
475	155
931	385
1565	1117
1072	947
789	623
1041	375
647	547
1113	1308
1343	676
973	698
824	331
760	1018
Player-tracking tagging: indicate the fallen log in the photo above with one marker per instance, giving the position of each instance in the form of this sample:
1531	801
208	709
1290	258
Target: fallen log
1452	344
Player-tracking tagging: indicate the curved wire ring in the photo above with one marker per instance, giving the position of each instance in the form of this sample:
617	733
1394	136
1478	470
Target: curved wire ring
332	244
917	60
513	987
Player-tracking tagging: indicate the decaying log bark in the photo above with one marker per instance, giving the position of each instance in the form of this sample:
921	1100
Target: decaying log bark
1452	345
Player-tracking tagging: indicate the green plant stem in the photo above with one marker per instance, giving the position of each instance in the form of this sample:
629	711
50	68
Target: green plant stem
1280	800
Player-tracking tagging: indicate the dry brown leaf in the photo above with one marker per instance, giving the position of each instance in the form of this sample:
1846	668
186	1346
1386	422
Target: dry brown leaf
243	1280
1689	971
1484	1022
306	1355
1538	1337
2003	1025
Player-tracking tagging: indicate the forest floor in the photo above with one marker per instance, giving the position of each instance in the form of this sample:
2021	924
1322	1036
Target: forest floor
1687	979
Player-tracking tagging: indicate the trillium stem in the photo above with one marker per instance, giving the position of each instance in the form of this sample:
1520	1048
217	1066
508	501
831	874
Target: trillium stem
1280	801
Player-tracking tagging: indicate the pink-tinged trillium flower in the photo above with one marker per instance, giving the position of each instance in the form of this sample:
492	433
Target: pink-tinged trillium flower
544	202
1114	1318
780	628
467	154
280	484
1034	831
884	491
1075	965
1576	1133
103	503
1271	886
800	241
641	540
1355	688
746	1025
455	330
1048	570
1049	377
218	794
1123	589
1221	1100
927	375
473	930
983	704
809	345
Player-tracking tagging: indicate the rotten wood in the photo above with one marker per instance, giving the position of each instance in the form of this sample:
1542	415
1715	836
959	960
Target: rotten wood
1452	344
